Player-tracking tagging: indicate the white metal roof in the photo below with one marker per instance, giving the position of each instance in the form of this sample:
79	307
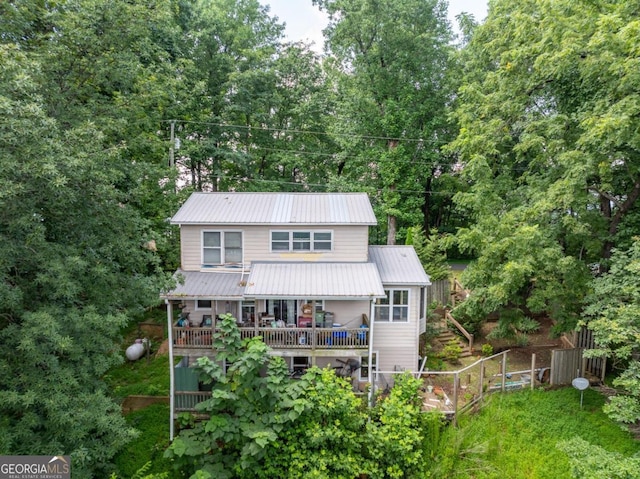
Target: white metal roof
276	208
207	285
398	265
314	281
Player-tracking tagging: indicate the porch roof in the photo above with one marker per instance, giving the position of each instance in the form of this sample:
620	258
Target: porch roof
399	265
314	281
207	285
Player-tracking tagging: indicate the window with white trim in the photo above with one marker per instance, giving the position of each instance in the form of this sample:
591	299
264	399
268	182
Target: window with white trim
221	247
301	241
394	307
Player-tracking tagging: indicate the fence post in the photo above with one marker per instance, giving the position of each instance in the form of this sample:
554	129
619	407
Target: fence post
481	391
533	370
504	371
455	399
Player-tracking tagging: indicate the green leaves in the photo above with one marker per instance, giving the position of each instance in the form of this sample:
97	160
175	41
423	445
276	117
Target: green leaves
612	312
269	425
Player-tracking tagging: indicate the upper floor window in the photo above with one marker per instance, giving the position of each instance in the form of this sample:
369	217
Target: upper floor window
221	247
301	240
393	308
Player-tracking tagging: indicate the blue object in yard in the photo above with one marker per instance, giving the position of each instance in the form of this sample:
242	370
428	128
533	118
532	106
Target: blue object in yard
339	334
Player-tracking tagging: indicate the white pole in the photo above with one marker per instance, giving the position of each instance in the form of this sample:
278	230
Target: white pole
171	371
370	377
172	144
533	370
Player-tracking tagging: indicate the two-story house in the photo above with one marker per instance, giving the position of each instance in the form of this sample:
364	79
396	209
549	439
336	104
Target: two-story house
296	269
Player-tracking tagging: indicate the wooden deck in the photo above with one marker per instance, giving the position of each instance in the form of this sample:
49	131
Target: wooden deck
190	340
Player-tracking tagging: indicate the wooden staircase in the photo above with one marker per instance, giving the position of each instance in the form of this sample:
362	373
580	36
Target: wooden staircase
446	336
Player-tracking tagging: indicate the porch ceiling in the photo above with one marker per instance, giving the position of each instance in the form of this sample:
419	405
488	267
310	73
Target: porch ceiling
314	281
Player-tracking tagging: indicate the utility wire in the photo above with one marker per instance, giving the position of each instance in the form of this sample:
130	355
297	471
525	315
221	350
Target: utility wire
286	130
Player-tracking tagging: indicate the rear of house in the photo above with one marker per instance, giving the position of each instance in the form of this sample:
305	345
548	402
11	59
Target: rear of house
297	270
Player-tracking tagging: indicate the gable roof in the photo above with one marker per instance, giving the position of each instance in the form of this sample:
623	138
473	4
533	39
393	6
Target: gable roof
276	208
314	281
398	265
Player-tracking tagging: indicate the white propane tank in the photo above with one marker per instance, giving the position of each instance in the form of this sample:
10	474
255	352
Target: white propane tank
135	351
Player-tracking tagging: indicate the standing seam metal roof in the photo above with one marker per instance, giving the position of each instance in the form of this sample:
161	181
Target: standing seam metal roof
398	265
276	208
314	280
198	284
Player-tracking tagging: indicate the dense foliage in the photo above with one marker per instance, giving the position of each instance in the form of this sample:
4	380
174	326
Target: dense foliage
538	433
548	140
613	314
390	64
538	110
72	269
264	424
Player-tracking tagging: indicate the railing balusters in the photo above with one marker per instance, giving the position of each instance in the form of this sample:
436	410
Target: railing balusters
280	338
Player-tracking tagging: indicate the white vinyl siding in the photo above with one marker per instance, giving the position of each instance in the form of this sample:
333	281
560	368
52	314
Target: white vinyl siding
397	342
349	244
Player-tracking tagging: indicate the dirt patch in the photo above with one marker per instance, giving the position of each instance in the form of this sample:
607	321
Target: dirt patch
163	349
540	343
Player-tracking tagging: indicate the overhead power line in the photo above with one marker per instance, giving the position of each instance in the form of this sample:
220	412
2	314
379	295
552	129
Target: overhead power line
287	130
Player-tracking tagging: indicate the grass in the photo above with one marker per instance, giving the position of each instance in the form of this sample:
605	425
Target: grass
140	377
149	446
515	435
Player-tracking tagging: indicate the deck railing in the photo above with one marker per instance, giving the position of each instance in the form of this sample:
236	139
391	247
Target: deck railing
280	338
187	400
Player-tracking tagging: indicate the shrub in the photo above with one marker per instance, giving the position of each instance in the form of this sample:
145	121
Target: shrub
452	351
487	349
527	325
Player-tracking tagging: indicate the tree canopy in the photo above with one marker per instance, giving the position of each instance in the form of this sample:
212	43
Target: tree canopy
530	125
548	141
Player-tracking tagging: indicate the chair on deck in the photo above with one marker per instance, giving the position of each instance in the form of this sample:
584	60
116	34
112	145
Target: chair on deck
346	368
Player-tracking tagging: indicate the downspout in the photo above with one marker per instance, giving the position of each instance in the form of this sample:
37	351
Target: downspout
370	378
171	371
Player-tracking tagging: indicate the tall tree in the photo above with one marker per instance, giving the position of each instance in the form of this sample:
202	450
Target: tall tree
548	138
613	314
116	65
391	59
258	117
72	271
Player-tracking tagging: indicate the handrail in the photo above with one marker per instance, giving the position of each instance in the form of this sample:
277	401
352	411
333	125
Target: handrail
457	284
464	332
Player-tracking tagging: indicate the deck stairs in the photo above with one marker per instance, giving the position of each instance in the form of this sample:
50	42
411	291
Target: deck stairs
446	335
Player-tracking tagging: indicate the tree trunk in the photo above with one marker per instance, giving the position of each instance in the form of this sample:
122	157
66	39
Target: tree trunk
615	219
391	230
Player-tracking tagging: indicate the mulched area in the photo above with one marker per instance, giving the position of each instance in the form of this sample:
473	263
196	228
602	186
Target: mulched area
541	343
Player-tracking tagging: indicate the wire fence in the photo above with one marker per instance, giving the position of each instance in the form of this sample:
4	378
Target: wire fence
452	392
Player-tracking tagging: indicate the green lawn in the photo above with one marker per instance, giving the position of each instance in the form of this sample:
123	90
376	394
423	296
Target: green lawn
515	435
140	377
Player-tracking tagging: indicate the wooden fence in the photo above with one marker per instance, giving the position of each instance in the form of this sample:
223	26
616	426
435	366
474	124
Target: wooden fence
583	338
440	292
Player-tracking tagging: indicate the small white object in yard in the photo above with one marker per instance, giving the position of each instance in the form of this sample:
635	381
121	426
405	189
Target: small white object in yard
136	350
580	384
